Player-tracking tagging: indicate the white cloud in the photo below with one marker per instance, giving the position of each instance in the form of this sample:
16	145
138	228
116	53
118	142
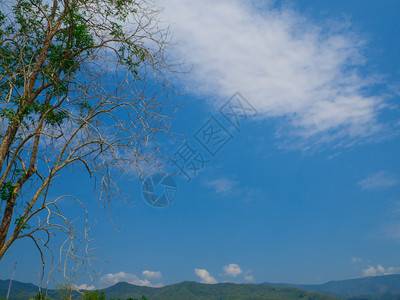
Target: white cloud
285	65
249	278
151	274
355	260
232	270
382	179
205	276
380	270
85	287
111	279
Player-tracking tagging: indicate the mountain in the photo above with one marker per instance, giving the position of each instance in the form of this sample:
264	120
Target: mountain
183	291
23	290
198	291
386	287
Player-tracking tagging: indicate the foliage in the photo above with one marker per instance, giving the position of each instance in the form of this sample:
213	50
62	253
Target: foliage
94	295
142	298
82	85
41	296
64	292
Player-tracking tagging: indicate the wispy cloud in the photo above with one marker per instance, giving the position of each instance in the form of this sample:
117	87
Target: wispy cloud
380	180
227	187
249	278
151	274
391	226
222	185
380	270
391	230
232	270
205	276
285	65
355	260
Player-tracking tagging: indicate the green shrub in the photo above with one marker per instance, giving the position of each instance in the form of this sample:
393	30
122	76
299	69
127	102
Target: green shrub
95	295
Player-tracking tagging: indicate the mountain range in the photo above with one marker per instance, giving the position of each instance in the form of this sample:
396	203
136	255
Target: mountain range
373	287
368	288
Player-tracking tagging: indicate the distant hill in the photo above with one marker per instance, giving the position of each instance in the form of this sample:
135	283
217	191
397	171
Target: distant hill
19	289
183	291
197	291
385	287
23	291
368	288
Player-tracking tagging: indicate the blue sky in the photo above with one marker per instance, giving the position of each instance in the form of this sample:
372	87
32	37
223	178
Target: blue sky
307	191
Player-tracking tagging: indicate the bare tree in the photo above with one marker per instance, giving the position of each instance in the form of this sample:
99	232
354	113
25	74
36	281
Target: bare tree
82	84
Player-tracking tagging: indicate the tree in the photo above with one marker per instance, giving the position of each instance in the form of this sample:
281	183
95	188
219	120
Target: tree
40	296
82	85
95	295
